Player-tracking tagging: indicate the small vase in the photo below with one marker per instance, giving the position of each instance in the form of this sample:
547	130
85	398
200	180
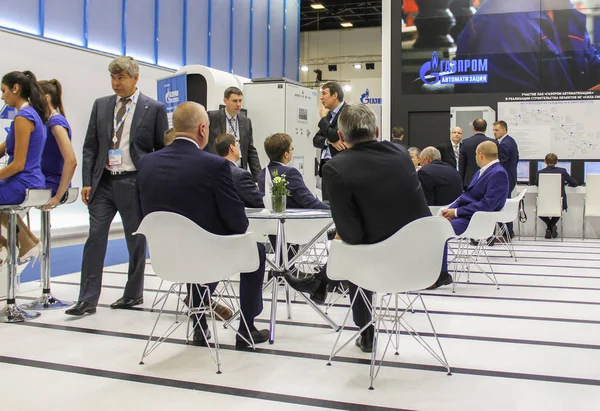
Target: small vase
278	203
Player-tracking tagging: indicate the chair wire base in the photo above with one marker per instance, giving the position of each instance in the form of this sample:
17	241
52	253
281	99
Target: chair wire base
391	319
465	258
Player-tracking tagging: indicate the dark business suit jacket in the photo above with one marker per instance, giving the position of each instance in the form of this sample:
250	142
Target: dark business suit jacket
508	154
447	152
300	196
191	182
566	179
467	166
148	126
374	192
327	132
246	187
218	125
441	183
485	193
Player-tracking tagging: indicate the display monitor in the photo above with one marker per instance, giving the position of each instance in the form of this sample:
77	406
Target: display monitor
523	172
591	167
562	164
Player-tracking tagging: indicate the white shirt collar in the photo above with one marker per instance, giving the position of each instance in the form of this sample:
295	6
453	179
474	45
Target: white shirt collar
230	117
502	138
187	139
452	142
484	168
134	97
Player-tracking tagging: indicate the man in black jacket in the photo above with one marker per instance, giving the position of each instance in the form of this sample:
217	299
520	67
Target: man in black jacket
327	139
450	151
374	192
467	165
227	147
440	181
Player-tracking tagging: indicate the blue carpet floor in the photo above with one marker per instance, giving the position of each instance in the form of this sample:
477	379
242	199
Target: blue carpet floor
67	260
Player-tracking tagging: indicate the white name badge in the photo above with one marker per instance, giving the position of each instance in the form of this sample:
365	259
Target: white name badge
115	157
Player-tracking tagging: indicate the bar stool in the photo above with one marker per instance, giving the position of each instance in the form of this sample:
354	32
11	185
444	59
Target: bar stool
47	301
33	198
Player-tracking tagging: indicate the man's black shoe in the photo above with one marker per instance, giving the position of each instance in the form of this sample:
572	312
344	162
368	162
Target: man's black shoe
365	342
81	308
320	294
444	279
199	339
554	231
125	302
308	284
258	336
331	233
548	233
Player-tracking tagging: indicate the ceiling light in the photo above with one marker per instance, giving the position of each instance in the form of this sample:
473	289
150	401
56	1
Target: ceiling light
357	66
347	87
346	24
317	6
304	68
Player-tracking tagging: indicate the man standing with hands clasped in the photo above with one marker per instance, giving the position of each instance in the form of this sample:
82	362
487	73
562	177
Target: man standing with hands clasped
122	129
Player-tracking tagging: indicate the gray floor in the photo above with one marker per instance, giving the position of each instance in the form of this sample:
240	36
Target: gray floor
532	345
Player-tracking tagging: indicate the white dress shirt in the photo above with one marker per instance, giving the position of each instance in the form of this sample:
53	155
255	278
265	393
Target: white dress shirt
126	161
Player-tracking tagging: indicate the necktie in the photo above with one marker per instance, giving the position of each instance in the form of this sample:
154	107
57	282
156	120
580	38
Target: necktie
117	138
232	122
329	117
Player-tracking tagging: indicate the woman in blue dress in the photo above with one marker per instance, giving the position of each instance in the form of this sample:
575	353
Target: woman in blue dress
58	159
24	145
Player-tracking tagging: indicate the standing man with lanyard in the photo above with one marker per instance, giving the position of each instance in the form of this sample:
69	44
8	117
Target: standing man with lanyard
122	129
450	151
231	121
327	139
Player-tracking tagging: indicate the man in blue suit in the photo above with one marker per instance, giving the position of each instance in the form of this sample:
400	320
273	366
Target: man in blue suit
440	181
509	157
551	160
280	150
467	164
184	179
487	192
228	147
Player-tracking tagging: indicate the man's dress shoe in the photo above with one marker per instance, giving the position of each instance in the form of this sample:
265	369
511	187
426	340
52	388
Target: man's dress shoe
554	231
548	234
444	279
258	336
125	302
81	308
223	311
315	286
365	343
199	339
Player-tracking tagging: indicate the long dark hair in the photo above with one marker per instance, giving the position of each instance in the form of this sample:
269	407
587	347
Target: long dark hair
53	88
29	90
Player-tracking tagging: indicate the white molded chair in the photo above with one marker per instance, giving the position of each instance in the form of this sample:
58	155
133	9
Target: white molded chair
508	214
481	227
549	200
591	202
407	262
183	252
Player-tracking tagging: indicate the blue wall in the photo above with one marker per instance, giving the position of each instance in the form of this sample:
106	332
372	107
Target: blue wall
251	38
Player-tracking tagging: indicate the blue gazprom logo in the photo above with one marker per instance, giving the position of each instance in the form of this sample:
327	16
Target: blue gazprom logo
366	99
472	71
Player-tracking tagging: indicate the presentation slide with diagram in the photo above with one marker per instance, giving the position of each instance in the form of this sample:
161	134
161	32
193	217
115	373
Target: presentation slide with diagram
570	129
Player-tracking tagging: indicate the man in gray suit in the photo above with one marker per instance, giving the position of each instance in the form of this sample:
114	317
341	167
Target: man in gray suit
122	129
230	120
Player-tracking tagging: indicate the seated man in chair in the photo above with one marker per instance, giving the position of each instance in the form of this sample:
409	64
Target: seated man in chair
486	192
184	179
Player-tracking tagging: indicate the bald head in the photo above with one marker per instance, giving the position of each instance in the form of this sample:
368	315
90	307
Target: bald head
456	135
486	152
191	120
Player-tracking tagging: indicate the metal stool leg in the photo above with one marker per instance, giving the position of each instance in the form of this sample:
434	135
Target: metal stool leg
46	301
11	312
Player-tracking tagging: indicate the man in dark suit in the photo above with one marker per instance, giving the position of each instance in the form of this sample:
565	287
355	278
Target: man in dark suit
370	170
230	120
280	150
327	139
228	148
441	182
398	136
450	151
122	129
551	160
467	165
509	157
184	179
